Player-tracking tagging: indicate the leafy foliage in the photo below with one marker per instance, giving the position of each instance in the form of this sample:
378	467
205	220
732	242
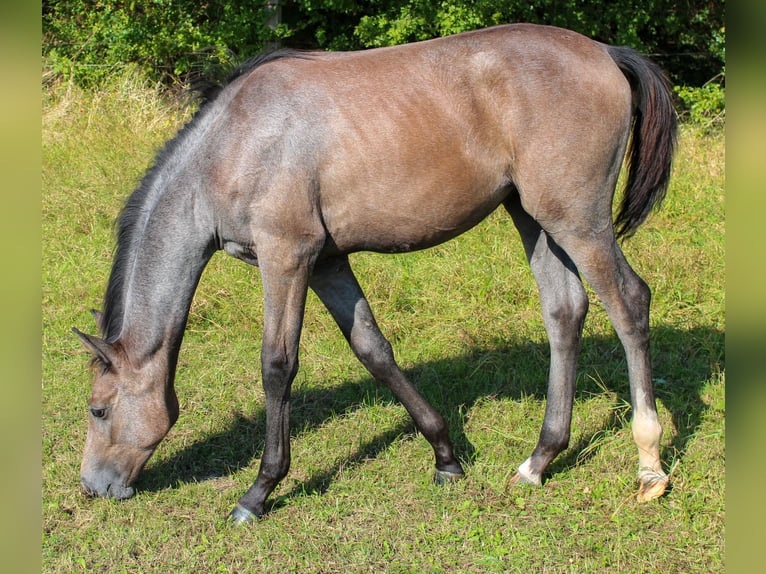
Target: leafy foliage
86	39
705	106
687	39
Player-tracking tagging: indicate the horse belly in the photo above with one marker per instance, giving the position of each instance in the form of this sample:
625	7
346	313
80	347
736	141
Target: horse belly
407	216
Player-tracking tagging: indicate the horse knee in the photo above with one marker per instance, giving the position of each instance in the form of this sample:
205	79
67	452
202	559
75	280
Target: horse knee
376	354
278	365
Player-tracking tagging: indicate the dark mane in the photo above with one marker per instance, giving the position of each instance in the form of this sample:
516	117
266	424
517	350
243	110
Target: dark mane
206	90
141	202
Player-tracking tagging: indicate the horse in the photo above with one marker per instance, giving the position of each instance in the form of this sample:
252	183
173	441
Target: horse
303	158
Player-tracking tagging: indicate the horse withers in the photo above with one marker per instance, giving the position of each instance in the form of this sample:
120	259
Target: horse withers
306	157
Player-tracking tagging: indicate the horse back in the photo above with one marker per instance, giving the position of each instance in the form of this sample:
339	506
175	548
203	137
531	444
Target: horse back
401	148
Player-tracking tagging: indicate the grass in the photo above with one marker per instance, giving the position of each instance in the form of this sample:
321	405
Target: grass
465	322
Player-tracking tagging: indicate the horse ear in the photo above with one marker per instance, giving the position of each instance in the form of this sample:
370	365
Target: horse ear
104	352
99	317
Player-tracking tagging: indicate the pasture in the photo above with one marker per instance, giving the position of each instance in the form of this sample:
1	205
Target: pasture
464	320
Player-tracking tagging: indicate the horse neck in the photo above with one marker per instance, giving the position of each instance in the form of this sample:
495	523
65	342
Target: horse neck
154	278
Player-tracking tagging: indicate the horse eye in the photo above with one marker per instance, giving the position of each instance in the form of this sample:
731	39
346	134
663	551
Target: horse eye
97	412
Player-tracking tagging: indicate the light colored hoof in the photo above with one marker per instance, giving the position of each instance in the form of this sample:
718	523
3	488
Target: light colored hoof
651	485
524	475
442	477
520	478
241	515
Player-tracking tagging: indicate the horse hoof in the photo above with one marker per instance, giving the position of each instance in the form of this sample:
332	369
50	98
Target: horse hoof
652	485
241	515
442	477
519	478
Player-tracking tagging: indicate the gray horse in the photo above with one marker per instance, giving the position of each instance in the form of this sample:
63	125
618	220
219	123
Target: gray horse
304	158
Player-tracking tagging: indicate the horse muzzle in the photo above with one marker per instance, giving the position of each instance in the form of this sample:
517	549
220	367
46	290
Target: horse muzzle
106	489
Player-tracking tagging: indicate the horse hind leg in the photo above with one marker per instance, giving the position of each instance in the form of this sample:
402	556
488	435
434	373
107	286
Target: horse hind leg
564	305
337	287
626	298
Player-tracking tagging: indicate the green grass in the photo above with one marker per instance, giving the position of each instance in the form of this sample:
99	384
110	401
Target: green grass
465	322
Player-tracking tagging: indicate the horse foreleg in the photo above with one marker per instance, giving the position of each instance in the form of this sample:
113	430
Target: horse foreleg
284	304
564	305
335	284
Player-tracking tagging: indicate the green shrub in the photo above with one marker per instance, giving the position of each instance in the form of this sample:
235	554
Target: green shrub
88	40
704	107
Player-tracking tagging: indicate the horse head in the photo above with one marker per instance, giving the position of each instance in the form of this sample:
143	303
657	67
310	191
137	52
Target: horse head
131	409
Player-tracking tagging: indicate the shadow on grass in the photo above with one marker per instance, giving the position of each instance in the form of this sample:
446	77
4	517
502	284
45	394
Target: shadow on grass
684	360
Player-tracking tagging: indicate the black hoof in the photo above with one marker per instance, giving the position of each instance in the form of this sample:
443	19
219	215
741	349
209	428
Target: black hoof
241	515
442	477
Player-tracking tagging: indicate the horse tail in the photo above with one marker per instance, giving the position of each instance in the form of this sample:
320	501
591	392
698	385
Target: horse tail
653	139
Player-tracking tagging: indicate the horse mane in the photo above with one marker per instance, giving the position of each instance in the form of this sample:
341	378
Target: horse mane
141	203
205	90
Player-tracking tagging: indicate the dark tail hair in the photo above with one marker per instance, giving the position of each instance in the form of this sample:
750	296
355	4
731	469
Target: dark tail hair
653	139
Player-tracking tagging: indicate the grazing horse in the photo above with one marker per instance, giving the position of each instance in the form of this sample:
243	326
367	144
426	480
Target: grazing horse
306	157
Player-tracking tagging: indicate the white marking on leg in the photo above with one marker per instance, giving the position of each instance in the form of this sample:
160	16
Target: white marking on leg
647	433
526	475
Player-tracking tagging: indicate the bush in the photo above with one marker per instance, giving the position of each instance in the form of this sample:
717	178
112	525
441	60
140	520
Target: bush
704	107
87	40
172	39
